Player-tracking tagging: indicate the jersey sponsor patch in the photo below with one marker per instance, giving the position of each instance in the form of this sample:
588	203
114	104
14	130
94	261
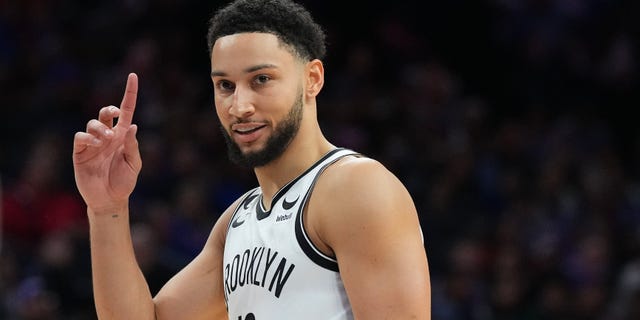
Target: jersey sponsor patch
284	217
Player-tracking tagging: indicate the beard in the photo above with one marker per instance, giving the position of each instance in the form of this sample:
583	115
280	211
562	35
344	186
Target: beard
276	144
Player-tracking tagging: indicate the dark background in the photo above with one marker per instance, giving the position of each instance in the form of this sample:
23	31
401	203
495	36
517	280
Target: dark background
511	122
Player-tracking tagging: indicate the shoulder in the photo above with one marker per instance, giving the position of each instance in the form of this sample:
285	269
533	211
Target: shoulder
358	194
361	181
361	214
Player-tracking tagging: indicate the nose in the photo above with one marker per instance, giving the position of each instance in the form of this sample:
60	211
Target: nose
241	103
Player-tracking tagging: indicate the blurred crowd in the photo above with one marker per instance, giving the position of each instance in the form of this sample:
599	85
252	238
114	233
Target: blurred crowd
509	121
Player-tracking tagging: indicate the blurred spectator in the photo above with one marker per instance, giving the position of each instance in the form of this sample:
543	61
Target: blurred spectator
32	301
39	202
147	249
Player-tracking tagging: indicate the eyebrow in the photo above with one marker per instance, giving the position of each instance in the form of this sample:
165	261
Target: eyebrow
251	69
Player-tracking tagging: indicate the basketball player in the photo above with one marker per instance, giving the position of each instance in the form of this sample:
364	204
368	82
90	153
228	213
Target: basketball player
327	234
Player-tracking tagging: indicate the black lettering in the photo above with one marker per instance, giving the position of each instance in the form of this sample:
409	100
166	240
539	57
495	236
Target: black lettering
255	275
235	265
243	267
254	255
269	262
278	275
226	279
249	316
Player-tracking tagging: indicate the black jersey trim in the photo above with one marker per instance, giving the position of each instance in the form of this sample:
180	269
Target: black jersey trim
304	241
262	213
245	197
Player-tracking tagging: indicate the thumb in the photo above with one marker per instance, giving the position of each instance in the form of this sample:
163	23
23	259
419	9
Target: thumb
131	149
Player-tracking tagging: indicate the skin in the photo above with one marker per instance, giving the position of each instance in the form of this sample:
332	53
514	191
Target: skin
370	224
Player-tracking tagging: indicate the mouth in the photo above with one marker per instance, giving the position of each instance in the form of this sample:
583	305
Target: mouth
247	132
246	128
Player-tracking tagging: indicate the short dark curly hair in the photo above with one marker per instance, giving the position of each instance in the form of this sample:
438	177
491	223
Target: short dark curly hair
289	21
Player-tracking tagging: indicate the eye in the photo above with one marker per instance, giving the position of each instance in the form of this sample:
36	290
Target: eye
224	85
261	79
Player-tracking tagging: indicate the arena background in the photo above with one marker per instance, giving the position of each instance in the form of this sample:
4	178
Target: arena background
511	122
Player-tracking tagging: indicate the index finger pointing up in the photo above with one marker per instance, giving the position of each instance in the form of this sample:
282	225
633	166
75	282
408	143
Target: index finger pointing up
128	104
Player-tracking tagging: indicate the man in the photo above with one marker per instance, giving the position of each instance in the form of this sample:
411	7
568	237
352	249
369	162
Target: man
328	234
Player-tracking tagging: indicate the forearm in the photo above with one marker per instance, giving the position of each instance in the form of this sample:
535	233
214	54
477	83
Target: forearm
119	287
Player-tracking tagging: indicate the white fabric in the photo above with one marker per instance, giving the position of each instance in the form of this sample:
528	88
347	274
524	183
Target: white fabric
268	269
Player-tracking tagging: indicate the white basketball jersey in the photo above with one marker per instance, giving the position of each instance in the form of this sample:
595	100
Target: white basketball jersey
271	268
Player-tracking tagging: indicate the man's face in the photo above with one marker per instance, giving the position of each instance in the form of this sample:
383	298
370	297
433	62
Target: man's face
258	96
276	142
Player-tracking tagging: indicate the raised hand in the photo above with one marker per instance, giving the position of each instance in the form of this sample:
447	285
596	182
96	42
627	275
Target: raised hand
106	158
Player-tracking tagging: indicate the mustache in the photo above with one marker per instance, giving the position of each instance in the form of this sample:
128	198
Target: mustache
247	120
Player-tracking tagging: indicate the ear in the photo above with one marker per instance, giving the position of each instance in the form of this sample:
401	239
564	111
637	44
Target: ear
315	78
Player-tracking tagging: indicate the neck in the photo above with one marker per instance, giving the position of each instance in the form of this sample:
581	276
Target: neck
301	154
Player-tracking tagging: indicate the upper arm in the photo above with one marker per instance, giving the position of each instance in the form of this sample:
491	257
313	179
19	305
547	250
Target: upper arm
372	227
196	292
